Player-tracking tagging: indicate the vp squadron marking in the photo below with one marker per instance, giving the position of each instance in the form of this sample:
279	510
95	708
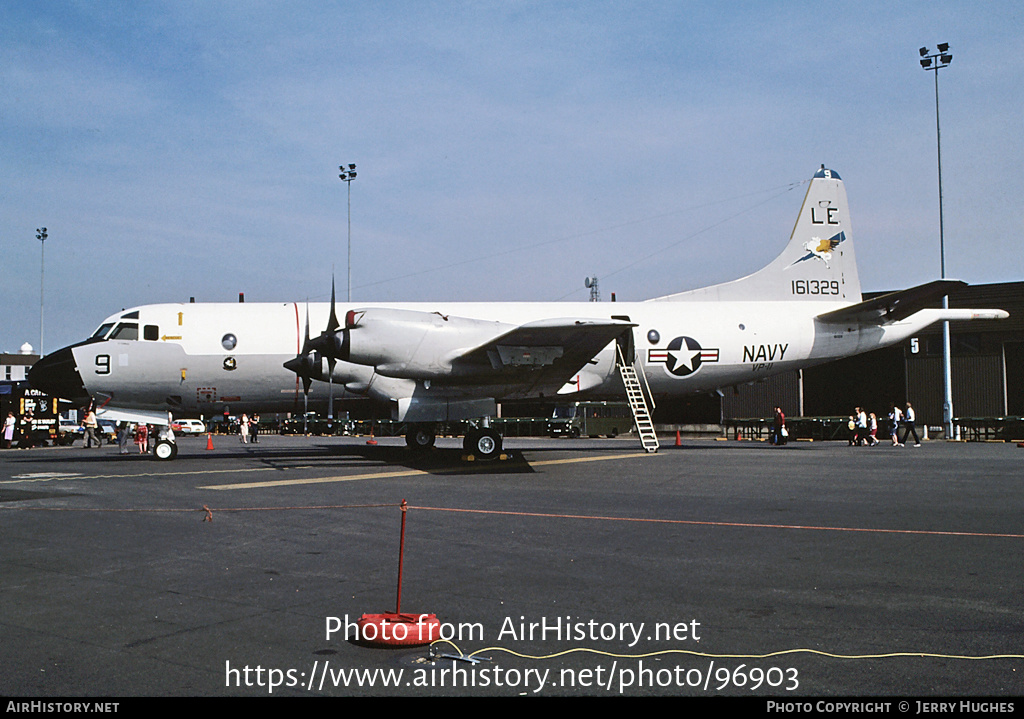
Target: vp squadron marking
764	356
682	357
821	249
825	215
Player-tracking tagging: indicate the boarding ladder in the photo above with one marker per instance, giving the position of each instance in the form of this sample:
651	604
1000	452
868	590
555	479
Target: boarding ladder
638	404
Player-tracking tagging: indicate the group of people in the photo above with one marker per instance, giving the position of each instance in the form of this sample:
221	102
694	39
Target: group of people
126	433
248	428
20	428
864	426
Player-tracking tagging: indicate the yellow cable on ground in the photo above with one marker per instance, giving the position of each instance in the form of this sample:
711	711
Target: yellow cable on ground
707	655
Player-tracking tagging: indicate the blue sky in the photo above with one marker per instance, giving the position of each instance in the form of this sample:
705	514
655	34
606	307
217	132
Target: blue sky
504	150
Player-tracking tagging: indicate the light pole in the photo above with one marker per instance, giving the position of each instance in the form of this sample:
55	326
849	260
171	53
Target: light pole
348	173
935	62
41	236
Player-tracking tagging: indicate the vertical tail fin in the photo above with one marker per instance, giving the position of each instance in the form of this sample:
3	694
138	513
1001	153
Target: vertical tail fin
817	264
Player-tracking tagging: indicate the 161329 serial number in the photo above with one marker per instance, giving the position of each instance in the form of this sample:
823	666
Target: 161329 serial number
814	287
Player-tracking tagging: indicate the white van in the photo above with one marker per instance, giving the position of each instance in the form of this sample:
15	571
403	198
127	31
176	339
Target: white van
188	426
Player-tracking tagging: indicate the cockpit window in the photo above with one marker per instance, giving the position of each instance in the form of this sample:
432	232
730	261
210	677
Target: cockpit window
125	331
102	331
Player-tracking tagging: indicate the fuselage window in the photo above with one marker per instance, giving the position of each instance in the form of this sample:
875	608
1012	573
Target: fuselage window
151	333
125	331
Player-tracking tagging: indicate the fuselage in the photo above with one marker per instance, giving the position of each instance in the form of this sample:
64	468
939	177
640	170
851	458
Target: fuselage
212	358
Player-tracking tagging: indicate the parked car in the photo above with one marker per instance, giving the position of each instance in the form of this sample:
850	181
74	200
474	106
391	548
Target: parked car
108	430
188	426
69	430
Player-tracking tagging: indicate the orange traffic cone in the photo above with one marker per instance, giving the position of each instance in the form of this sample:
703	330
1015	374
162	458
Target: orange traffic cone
371	441
679	440
209	441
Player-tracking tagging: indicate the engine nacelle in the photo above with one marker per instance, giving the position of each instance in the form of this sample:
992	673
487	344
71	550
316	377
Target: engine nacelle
410	343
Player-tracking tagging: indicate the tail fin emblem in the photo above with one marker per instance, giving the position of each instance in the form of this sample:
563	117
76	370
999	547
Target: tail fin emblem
822	249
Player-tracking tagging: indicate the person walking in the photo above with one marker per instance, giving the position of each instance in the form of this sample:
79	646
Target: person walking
894	424
92	426
910	419
861	420
779	432
123	429
872	430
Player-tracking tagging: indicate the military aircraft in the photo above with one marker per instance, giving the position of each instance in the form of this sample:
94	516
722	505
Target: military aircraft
429	363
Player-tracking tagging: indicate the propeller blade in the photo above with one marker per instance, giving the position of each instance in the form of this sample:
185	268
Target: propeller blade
304	364
332	322
305	340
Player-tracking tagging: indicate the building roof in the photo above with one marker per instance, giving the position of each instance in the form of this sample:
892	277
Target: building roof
7	358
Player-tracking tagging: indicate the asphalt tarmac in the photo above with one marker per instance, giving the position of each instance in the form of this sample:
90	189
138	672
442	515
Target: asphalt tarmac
576	568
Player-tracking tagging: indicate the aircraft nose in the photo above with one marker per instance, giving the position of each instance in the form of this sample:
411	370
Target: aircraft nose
57	375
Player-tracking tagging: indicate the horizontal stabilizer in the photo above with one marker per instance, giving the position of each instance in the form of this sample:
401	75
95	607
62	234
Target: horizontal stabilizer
893	306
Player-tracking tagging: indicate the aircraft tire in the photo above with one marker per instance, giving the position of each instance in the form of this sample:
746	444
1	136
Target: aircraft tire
420	436
484	444
165	450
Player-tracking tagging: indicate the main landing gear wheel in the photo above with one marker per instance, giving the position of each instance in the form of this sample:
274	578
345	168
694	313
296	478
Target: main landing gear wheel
484	444
420	436
165	450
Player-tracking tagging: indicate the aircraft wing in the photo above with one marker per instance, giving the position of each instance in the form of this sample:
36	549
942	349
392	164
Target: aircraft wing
893	306
541	353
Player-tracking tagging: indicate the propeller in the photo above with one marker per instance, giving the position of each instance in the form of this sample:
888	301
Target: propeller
332	327
332	344
305	364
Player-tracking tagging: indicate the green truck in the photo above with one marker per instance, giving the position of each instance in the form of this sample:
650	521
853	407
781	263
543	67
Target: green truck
593	419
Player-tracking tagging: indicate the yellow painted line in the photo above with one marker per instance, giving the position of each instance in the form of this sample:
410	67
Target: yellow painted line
319	480
66	478
400	473
589	459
